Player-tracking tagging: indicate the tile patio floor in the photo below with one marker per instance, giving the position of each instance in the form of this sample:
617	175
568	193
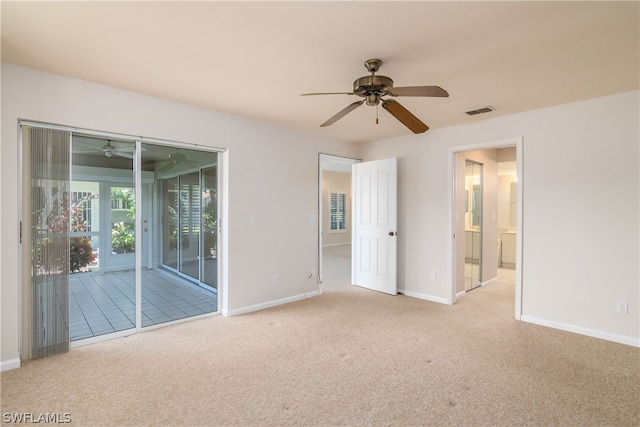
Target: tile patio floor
105	303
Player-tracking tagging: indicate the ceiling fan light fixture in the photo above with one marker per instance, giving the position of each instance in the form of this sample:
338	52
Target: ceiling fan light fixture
373	99
108	149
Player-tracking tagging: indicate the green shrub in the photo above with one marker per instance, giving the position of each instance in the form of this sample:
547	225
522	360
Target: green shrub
81	253
122	238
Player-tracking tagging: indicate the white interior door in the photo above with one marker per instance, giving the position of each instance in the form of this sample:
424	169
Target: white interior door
374	260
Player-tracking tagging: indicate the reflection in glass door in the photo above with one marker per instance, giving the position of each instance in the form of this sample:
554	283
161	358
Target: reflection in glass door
473	225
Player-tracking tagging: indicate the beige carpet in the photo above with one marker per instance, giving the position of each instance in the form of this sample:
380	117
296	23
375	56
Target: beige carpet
347	357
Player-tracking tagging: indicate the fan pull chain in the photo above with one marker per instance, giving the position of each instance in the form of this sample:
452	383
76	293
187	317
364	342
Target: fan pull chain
377	113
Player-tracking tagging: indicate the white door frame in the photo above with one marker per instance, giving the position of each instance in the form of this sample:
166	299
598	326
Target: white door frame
504	143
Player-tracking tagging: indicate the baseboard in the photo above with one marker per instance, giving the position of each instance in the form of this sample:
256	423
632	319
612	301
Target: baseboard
8	365
622	339
423	296
460	295
269	304
331	245
488	282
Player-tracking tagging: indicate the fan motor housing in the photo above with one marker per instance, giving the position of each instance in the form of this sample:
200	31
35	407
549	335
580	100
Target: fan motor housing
372	85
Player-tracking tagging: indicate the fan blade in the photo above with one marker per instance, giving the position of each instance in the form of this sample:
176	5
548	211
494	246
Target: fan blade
167	167
418	91
349	108
129	149
327	93
399	112
90	147
119	152
76	151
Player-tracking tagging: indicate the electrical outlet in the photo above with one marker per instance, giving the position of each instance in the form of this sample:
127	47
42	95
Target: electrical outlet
433	275
622	307
276	279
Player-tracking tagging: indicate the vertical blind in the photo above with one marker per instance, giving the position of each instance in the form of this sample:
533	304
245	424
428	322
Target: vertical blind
50	222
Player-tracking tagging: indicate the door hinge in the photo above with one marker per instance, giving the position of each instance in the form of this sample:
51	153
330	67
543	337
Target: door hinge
20	232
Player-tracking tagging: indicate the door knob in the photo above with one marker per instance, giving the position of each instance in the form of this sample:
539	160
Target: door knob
391	233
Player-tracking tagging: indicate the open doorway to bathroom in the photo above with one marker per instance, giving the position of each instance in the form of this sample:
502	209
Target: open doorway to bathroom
487	217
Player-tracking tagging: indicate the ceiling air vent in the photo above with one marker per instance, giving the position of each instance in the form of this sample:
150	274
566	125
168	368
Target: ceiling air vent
480	110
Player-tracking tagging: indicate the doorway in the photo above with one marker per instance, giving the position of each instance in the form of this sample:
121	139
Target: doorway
335	232
487	243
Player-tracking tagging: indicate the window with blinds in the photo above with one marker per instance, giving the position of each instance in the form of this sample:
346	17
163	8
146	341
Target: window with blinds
337	212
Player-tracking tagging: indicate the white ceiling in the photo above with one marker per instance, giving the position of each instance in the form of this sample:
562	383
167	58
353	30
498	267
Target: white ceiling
254	59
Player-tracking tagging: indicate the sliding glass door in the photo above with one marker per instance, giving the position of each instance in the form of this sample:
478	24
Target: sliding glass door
122	235
103	183
174	286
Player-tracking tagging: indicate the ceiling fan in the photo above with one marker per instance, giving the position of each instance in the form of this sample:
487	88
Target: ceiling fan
374	87
175	158
111	150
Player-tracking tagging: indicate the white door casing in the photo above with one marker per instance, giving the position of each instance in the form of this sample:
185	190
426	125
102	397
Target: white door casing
375	225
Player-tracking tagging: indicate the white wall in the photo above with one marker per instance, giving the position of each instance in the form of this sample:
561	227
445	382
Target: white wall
580	178
581	207
275	244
